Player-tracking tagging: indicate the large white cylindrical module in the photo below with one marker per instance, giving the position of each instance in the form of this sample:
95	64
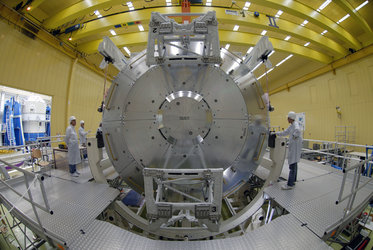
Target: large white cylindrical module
34	117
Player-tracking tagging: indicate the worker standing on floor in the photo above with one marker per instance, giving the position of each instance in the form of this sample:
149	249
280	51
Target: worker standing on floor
295	147
83	137
72	143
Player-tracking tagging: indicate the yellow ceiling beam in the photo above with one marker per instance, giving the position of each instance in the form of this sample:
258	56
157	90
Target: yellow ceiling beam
354	14
77	10
367	51
292	7
238	38
302	11
35	4
246	39
285	27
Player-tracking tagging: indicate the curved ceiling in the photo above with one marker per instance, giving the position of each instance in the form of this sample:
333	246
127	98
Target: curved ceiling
316	32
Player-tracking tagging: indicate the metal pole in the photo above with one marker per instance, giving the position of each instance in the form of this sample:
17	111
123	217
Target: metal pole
267	214
42	188
27	199
33	206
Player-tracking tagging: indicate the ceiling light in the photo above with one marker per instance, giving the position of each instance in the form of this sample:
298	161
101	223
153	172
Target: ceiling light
306	44
322	6
28	8
113	32
343	18
127	50
70	38
263	32
141	28
97	13
257	66
287	58
249	50
130	6
236	27
227	46
287	38
279	13
361	5
324	32
304	23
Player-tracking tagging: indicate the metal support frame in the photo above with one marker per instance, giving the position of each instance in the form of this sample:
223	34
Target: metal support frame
170	42
36	177
350	212
203	209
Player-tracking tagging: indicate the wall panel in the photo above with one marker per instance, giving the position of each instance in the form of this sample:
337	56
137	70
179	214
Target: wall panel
349	88
33	65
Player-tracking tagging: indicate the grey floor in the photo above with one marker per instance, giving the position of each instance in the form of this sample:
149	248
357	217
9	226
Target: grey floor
77	202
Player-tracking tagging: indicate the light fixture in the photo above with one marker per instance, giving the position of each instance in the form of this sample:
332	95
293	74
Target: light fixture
70	38
28	8
236	27
304	23
322	6
141	28
113	32
227	46
263	32
324	32
287	38
249	50
279	13
97	13
284	60
361	5
130	6
247	5
306	44
257	66
343	18
127	51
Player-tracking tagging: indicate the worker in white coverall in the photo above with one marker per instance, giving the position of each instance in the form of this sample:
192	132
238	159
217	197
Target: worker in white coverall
72	143
295	146
83	137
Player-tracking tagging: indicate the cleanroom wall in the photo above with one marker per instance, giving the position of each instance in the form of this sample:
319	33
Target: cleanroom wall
35	66
350	87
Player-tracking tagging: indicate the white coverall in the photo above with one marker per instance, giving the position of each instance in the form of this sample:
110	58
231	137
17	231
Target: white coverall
295	142
72	143
82	136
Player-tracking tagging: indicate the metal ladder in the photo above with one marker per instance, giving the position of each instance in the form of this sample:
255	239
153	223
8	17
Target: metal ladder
9	126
